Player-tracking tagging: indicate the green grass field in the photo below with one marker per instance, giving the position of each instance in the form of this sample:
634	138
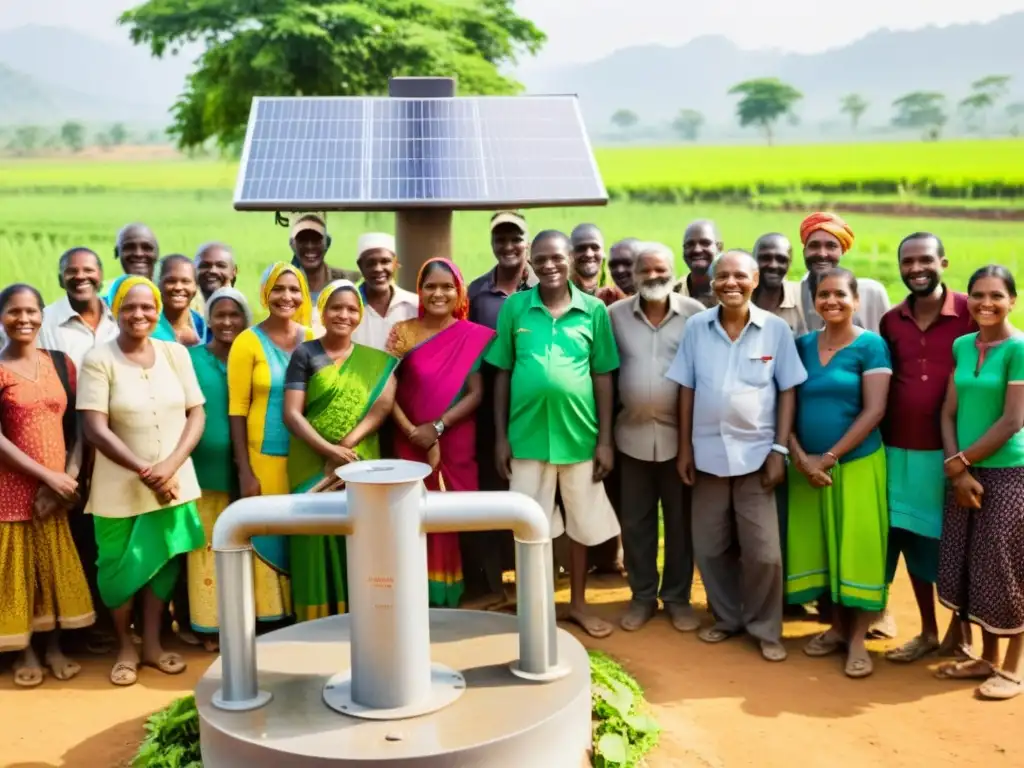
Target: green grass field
47	206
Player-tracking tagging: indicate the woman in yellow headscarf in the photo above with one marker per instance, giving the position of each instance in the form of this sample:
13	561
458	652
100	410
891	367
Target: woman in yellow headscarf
337	394
142	409
256	372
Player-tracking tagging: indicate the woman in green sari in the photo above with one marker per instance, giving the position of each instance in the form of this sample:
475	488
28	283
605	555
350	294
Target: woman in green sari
337	394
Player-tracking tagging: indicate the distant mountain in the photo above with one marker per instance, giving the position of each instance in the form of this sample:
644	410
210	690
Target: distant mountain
85	79
657	81
54	73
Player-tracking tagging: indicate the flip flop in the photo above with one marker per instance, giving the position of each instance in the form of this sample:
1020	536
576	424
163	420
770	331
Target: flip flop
773	651
169	663
29	677
189	638
859	668
823	645
594	626
913	650
715	635
64	668
124	673
883	628
968	669
1002	686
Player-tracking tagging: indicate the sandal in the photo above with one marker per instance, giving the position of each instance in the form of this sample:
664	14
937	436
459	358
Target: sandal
1002	686
913	650
169	663
715	635
859	668
29	677
824	644
63	668
968	669
124	673
773	651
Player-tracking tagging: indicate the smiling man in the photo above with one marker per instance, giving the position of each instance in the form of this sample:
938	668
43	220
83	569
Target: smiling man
310	242
920	333
826	238
137	250
215	269
774	293
621	258
385	303
701	246
588	264
737	369
555	353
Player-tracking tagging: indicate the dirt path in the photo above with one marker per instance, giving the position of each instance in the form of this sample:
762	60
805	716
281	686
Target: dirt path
720	706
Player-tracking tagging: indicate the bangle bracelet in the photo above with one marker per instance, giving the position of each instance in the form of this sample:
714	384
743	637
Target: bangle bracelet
958	455
831	456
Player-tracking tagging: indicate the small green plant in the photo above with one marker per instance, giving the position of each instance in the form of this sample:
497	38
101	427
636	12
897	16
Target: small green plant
172	738
623	733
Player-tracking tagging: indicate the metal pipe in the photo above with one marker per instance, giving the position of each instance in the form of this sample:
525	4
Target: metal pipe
294	515
487	511
236	602
535	601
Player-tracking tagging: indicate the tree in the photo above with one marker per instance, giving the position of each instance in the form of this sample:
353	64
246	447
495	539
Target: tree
688	124
624	119
994	85
118	134
324	48
1015	112
984	95
923	110
763	101
25	139
73	135
853	105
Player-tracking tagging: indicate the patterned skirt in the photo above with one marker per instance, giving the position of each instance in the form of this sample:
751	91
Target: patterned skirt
981	559
44	584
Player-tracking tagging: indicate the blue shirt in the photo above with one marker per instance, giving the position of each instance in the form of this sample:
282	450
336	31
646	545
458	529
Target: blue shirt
736	386
831	399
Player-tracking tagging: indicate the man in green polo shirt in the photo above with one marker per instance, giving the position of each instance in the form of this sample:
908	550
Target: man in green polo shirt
555	353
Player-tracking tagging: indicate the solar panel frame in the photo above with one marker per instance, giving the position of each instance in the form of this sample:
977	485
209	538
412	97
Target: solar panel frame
453	161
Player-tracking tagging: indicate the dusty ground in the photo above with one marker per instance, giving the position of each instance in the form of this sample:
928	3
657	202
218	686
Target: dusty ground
720	706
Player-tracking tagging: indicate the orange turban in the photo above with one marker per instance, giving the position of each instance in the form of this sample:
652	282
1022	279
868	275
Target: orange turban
827	222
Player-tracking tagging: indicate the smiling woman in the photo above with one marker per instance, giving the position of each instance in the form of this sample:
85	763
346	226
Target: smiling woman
178	321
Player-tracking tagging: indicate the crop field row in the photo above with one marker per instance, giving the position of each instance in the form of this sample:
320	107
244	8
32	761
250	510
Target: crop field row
974	169
36	228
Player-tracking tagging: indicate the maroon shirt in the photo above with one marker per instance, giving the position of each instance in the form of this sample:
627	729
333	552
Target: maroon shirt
922	362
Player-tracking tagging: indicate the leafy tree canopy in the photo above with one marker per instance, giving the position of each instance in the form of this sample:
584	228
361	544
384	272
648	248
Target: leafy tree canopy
688	124
324	48
763	101
625	118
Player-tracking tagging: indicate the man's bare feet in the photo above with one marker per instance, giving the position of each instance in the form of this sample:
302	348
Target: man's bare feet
593	625
61	666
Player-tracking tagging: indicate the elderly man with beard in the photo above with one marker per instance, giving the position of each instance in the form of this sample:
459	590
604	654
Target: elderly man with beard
920	333
589	272
701	246
648	328
774	293
76	323
826	238
737	369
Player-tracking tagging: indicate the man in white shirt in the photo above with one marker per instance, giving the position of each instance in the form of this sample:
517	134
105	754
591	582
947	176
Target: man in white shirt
385	303
80	319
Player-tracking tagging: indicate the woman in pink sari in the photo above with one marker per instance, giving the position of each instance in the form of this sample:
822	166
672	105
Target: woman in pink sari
439	389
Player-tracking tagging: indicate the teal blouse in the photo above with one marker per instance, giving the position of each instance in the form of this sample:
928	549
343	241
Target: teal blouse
212	456
831	399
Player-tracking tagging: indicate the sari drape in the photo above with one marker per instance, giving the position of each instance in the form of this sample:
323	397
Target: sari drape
338	397
431	378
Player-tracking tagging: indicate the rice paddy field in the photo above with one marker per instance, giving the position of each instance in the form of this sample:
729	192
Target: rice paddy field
48	205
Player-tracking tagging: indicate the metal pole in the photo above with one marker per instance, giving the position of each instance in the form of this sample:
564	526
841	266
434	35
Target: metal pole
387	581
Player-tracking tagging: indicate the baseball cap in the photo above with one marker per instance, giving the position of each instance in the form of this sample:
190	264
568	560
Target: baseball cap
371	241
310	222
509	217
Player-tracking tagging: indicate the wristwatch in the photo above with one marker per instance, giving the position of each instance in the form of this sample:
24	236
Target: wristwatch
780	449
439	427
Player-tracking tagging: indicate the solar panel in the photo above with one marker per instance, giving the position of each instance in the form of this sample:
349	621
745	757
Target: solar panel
340	153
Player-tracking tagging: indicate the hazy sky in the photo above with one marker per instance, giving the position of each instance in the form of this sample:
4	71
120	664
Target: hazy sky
582	30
